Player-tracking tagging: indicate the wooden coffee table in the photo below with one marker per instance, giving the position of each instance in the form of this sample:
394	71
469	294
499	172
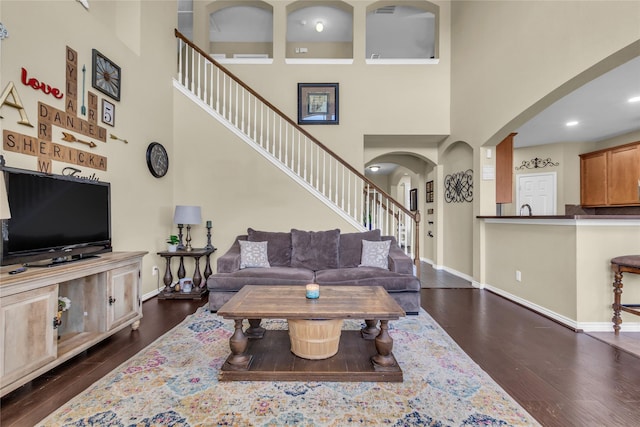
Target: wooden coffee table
264	355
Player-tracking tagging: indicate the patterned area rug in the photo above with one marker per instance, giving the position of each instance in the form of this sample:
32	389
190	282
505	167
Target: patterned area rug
174	382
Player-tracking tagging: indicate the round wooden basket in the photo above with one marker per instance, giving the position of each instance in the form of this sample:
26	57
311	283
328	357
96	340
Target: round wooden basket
314	339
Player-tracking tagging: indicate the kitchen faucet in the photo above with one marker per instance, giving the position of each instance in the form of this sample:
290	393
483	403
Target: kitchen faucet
526	205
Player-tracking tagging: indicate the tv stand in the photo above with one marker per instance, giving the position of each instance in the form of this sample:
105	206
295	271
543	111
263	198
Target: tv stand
60	260
105	297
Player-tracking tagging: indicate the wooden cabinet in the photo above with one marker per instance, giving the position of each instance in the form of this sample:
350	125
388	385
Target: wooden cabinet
27	337
611	177
105	297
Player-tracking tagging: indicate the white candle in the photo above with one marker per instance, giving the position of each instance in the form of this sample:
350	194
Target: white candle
313	291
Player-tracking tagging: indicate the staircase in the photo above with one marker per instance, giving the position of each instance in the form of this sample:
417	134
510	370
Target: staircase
292	149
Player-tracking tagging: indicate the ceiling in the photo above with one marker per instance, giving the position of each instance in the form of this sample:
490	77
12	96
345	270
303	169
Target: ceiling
601	108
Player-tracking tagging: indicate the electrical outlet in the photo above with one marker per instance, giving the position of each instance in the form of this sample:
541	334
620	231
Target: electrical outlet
154	270
518	276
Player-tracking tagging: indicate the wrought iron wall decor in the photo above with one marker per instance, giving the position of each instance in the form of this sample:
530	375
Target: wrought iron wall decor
537	163
458	187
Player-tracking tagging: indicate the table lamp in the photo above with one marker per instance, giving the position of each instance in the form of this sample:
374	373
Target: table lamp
187	215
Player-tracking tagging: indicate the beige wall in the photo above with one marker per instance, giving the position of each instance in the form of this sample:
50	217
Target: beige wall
236	187
565	266
458	217
138	37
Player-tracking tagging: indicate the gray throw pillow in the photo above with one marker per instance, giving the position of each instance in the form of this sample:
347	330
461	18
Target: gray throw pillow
351	247
315	250
253	254
375	254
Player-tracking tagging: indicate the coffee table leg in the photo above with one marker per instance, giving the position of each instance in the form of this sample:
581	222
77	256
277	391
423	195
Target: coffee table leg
238	343
255	331
384	345
371	331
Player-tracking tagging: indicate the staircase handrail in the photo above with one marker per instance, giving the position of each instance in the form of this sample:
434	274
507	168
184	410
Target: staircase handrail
178	34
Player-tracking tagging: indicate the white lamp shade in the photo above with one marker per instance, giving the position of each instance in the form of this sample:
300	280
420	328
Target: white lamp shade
187	215
5	212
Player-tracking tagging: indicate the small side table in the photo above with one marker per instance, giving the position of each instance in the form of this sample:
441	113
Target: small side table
619	265
199	286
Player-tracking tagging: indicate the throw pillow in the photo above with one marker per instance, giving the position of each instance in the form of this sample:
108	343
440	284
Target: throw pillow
253	254
351	247
315	250
279	248
375	254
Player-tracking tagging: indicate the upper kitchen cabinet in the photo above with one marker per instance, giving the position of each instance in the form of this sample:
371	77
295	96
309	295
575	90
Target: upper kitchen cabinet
611	177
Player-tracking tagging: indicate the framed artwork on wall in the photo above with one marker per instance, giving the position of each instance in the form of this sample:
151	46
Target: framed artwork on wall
106	75
413	199
318	104
429	192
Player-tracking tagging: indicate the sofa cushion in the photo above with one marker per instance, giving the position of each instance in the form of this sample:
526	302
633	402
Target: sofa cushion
315	250
375	254
253	254
279	248
371	276
351	247
232	282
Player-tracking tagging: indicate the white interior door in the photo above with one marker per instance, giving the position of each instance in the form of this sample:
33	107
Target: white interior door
538	190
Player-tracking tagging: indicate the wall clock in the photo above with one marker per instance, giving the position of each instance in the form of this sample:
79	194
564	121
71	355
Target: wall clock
157	160
106	76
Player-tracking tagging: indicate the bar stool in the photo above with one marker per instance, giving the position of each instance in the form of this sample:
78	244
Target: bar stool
619	265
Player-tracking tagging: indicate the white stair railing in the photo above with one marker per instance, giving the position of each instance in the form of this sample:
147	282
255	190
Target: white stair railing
293	149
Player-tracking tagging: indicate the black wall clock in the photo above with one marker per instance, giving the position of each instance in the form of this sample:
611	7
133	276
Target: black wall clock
157	160
106	76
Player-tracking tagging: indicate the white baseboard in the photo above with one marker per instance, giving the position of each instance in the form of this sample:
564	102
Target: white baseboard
608	326
582	326
151	294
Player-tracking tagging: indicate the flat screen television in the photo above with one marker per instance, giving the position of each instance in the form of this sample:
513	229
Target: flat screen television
54	218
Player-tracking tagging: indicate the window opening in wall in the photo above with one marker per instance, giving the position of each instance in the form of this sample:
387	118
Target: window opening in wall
185	18
324	32
244	32
400	32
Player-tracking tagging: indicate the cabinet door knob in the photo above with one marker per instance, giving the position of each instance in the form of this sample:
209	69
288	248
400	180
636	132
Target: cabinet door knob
111	300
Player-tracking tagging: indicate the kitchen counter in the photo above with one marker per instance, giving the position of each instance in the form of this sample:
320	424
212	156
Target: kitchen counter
524	217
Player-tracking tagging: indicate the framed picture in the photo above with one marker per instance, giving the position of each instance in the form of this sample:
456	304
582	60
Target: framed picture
413	199
108	113
429	192
106	75
318	104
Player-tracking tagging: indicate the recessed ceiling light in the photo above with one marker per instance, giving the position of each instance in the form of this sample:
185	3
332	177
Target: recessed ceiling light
634	99
319	27
572	123
374	168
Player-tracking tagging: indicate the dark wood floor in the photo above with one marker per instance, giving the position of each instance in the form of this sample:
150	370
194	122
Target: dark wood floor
562	378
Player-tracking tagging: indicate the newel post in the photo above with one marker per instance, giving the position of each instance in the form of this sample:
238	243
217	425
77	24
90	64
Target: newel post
417	249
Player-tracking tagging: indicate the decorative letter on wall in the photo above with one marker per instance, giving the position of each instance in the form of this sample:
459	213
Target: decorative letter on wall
16	103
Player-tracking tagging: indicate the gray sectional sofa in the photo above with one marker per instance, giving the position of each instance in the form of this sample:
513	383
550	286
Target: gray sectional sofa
323	257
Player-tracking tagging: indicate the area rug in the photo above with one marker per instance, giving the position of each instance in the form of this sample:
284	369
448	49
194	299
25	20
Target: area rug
174	382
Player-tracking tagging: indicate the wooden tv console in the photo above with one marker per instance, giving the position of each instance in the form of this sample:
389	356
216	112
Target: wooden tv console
105	298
